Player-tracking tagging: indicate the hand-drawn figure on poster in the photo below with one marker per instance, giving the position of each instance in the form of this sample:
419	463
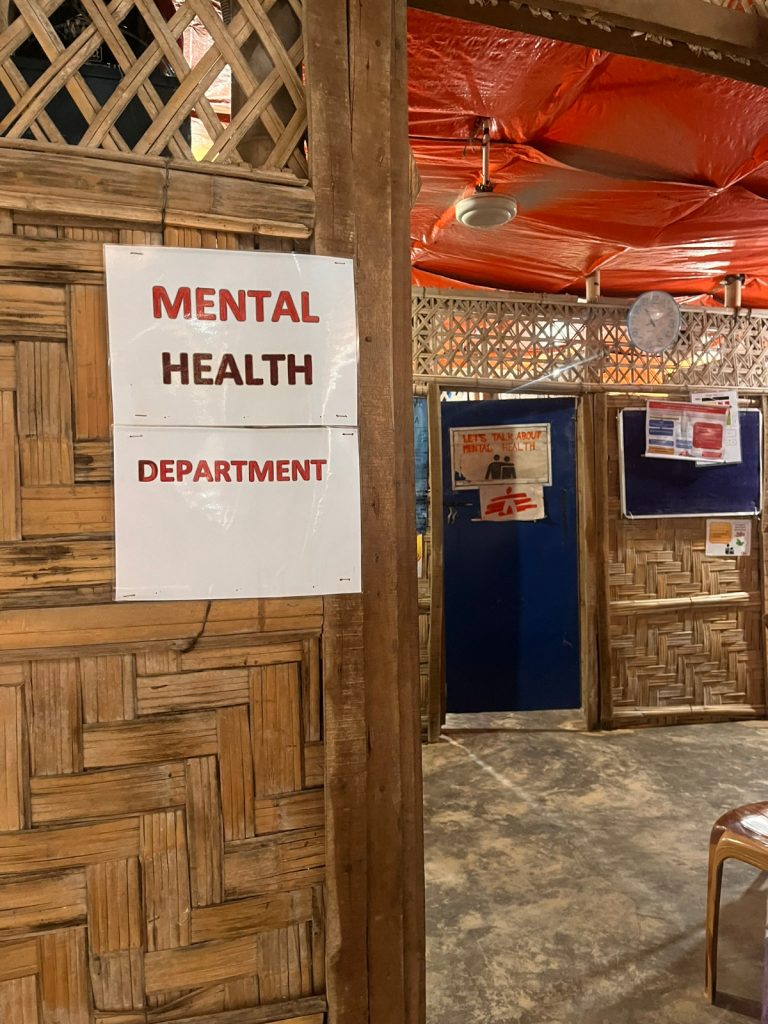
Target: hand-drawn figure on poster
500	469
519	452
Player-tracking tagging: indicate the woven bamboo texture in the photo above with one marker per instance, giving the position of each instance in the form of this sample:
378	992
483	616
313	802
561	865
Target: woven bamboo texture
162	841
520	341
686	632
155	82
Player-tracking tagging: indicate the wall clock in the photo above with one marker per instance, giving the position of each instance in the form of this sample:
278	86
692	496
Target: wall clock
653	322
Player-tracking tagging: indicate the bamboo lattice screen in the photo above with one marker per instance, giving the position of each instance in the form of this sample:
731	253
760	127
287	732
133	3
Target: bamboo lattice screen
519	340
115	76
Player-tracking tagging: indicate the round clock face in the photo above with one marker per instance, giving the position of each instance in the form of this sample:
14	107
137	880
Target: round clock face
653	322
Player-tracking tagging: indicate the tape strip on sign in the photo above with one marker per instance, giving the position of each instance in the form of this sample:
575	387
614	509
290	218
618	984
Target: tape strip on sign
201	337
218	513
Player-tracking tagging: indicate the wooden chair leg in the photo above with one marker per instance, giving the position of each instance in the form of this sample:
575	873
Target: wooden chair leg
714	884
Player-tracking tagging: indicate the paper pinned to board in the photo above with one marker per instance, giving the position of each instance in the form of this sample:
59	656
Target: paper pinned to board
684	430
731	537
732	438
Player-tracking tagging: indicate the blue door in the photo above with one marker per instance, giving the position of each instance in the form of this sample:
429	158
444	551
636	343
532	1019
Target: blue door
511	588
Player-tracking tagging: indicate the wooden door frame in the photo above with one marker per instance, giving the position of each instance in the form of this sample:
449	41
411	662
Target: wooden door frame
588	554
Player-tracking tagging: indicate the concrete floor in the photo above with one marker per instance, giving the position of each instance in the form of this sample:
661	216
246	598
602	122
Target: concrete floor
566	871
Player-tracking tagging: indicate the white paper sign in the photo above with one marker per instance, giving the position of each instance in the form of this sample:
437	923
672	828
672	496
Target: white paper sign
684	430
732	438
229	512
729	537
492	455
515	502
230	338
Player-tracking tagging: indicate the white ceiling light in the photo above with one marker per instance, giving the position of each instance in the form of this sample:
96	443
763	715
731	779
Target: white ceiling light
483	208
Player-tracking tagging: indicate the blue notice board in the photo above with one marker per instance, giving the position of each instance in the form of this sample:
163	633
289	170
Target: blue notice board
671	487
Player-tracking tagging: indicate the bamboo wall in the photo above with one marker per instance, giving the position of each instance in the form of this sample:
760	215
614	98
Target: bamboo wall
683	633
680	636
161	814
162	842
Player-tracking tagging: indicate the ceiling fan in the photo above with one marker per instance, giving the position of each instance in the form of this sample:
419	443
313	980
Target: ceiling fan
483	208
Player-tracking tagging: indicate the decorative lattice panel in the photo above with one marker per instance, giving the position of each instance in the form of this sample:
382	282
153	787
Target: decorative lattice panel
524	341
132	76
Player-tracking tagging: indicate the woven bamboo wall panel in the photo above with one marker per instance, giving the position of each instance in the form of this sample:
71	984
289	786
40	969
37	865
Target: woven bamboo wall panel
660	559
142	871
162	813
113	76
686	630
684	661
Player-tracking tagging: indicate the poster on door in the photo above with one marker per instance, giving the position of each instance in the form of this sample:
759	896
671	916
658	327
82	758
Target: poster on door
497	454
685	430
214	513
729	537
512	503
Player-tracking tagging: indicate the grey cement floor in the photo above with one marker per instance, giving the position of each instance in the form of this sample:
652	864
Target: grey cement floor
566	871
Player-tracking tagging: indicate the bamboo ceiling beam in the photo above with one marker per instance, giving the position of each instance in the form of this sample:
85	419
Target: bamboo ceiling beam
686	33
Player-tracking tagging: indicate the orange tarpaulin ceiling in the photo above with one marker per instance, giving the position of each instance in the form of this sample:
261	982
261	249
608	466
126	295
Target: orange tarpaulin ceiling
654	175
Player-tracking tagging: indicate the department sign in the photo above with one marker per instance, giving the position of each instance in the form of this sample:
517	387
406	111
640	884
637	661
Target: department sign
234	386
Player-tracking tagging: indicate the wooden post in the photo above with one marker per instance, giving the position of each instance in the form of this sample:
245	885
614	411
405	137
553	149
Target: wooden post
732	296
436	695
588	560
601	428
358	148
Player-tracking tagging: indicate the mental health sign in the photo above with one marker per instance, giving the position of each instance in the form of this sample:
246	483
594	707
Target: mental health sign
231	338
494	455
234	381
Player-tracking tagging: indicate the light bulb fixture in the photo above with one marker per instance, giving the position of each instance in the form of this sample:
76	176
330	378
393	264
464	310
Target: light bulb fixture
483	209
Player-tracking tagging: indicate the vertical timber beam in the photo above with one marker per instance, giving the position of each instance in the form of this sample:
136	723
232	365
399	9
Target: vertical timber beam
436	694
358	145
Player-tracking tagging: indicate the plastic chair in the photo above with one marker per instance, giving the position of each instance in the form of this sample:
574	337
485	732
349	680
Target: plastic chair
740	834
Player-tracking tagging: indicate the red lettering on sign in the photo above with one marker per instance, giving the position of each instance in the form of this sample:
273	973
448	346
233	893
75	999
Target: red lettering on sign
258	303
261	473
161	300
201	363
227	304
285	306
203	303
147	470
169	368
203	472
306	316
294	369
228	370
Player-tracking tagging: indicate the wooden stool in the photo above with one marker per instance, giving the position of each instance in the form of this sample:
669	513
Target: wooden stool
741	834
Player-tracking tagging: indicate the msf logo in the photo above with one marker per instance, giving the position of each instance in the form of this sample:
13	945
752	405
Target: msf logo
511	503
